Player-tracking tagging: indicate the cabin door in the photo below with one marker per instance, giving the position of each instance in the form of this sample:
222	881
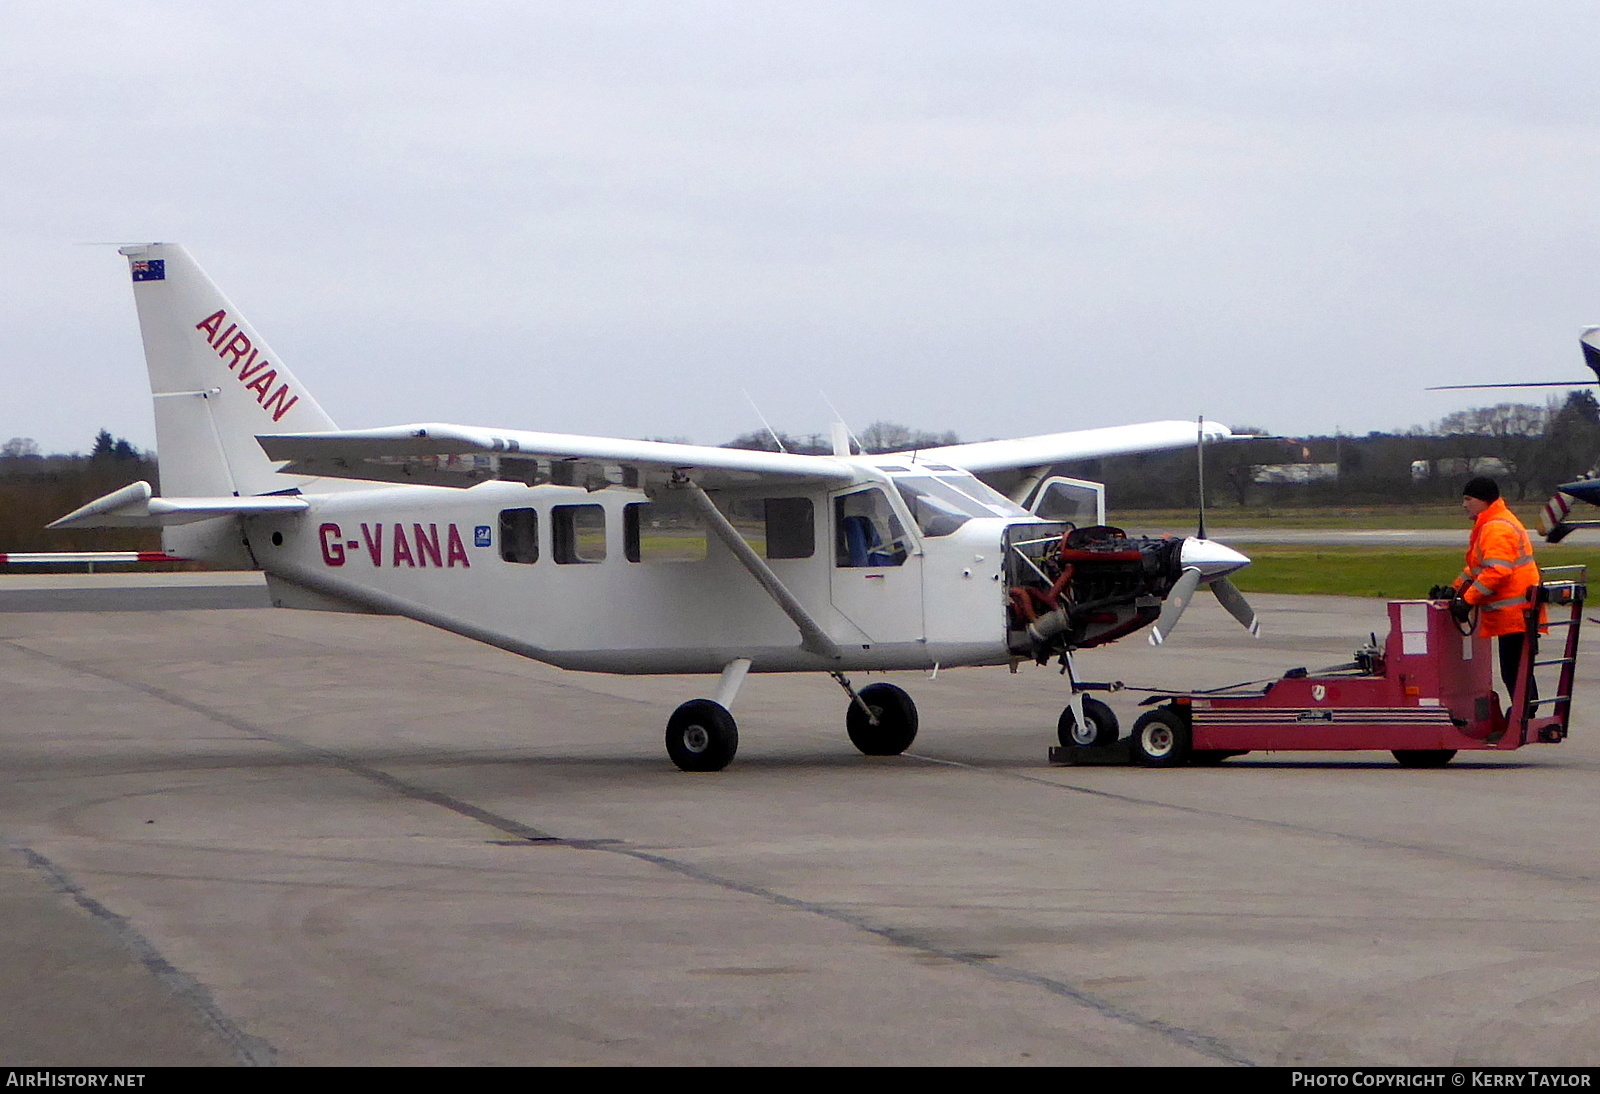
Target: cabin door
877	569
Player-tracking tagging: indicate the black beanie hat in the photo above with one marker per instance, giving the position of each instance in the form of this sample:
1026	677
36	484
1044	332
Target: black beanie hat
1484	489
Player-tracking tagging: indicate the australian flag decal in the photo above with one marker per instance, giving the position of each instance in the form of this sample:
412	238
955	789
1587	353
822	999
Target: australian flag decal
151	269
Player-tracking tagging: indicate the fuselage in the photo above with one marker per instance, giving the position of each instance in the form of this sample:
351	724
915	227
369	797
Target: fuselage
901	570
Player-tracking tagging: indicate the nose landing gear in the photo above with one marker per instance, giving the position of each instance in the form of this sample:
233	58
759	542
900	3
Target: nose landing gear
1099	726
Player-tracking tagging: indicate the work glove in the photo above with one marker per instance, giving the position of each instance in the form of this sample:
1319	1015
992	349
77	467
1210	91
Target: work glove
1442	592
1460	610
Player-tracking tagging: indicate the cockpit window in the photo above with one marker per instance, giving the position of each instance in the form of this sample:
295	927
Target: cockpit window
937	506
997	503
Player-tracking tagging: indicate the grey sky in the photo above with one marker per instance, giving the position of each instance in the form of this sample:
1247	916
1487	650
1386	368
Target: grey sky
996	219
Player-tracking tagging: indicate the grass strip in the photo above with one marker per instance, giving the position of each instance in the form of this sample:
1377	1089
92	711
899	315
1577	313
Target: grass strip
1435	516
1393	573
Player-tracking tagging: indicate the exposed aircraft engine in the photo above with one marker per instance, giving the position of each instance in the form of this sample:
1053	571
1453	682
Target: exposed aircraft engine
1076	588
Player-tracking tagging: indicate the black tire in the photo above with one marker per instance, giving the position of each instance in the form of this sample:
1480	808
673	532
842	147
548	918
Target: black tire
1161	738
897	721
702	736
1424	757
1102	727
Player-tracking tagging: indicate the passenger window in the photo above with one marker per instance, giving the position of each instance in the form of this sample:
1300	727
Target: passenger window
663	532
578	533
775	527
866	531
519	535
791	528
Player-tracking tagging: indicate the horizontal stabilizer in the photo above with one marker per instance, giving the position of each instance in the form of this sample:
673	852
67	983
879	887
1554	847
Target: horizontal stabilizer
462	456
134	506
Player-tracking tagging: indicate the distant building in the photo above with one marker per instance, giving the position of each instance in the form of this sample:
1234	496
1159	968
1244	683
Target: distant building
1458	467
1294	474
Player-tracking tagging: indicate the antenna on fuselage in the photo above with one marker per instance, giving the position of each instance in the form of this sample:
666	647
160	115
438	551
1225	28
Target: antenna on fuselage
773	433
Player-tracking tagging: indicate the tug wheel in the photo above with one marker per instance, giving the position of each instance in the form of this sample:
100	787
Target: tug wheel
702	736
1101	727
1161	738
897	721
1424	757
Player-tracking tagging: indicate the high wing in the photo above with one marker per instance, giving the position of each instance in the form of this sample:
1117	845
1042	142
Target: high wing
454	455
1015	467
989	456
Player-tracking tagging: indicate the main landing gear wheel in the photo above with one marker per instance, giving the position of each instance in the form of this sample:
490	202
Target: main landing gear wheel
897	721
1424	757
1161	738
702	736
1100	729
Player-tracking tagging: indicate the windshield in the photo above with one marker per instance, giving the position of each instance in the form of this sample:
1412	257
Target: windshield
997	503
938	507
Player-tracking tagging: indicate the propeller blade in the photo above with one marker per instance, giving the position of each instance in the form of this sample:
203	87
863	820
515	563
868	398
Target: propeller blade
1238	607
1177	600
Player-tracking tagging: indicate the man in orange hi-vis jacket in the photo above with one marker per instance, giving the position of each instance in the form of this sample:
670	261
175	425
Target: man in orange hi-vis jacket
1500	571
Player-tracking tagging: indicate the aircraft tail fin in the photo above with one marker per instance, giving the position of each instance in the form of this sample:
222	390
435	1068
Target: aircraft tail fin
1555	520
215	381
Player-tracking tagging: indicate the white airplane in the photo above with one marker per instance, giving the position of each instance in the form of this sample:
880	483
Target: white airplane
622	556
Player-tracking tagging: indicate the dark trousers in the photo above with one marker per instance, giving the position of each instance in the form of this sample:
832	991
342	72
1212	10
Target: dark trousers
1510	657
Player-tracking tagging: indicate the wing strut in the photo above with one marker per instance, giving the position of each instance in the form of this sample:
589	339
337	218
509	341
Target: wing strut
812	637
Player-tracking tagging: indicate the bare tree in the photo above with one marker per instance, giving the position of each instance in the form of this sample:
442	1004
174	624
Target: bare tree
1511	432
759	440
894	437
